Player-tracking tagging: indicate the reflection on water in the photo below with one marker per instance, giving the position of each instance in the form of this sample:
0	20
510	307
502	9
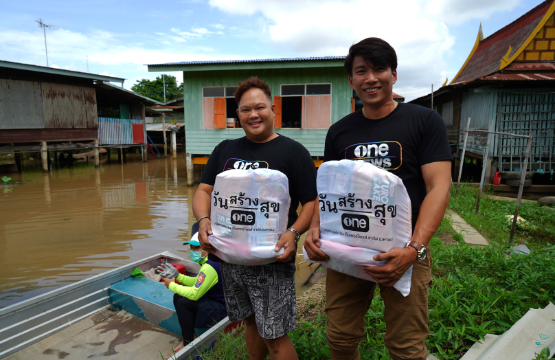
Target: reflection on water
61	227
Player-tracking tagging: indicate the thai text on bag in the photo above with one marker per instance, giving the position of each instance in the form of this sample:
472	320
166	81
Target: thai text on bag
249	212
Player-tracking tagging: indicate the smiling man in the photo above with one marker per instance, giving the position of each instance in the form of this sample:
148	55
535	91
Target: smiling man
262	295
411	142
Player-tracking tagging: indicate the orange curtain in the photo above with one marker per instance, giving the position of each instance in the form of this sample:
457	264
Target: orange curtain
219	113
277	119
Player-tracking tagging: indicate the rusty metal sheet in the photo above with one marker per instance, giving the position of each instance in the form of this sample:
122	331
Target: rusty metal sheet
91	120
20	105
68	106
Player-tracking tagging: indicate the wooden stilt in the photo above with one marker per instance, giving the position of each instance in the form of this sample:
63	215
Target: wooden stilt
19	161
120	155
164	133
56	162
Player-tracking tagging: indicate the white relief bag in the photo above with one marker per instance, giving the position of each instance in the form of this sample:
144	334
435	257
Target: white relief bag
364	210
249	212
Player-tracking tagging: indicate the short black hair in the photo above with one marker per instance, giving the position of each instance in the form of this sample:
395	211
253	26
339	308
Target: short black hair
250	83
374	50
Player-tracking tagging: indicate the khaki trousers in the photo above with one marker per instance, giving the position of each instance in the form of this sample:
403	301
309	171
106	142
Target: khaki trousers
406	318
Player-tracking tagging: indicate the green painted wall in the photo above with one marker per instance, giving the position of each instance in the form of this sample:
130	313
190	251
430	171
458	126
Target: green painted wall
201	141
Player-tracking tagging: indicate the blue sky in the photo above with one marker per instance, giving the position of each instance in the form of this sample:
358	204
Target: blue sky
432	37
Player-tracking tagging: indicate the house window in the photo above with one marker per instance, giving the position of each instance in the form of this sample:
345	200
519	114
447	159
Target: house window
304	106
219	107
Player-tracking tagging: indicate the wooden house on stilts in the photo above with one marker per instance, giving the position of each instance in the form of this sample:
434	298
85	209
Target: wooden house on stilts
310	94
509	77
47	110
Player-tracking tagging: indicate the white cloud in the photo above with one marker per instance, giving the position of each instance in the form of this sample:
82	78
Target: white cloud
102	49
417	29
218	26
178	39
201	31
105	73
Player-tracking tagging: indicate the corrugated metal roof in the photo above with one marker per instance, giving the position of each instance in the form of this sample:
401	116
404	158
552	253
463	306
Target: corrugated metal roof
520	76
491	50
51	70
107	90
252	61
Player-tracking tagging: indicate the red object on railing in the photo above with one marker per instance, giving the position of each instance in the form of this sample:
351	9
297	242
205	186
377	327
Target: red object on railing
497	178
180	268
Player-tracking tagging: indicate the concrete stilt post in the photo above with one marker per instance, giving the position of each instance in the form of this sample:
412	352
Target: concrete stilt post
44	156
190	170
174	144
96	154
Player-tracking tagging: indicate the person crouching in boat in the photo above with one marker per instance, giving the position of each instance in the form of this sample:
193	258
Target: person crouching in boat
199	302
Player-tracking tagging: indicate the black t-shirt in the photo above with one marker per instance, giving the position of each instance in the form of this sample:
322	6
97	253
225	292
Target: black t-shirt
282	153
409	137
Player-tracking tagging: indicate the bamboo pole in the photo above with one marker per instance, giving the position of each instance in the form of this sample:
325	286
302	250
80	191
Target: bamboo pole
484	165
462	156
521	187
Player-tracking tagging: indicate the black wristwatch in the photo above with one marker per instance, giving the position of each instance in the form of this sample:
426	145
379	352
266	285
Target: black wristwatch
297	235
420	249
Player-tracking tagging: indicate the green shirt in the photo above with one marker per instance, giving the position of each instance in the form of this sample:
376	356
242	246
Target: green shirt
193	288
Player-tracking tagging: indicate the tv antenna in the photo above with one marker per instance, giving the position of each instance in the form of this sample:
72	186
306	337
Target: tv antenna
44	26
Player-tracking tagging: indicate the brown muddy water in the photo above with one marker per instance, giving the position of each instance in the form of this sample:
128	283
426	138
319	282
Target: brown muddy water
61	227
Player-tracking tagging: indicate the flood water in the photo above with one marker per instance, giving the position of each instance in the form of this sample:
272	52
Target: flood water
61	227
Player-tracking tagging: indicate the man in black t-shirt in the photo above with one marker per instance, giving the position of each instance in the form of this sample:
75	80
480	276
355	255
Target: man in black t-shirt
264	296
411	142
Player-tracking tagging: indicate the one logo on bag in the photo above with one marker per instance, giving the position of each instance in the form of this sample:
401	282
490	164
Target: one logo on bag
354	222
384	154
239	217
240	164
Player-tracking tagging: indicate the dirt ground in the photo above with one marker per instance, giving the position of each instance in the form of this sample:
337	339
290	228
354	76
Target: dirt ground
312	301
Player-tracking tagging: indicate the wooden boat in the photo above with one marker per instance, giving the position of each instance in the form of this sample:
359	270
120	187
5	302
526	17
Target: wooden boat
110	315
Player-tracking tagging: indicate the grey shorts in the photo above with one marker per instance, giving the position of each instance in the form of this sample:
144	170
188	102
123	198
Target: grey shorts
267	291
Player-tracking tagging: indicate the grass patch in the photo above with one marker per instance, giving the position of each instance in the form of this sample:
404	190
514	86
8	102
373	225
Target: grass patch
475	290
492	223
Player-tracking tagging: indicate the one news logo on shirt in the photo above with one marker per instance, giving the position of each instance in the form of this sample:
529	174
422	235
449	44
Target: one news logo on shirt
384	154
354	222
240	164
240	217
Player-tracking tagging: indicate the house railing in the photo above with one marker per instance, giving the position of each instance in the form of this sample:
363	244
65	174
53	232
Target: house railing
113	131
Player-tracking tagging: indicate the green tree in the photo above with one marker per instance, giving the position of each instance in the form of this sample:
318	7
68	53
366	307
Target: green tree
154	89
